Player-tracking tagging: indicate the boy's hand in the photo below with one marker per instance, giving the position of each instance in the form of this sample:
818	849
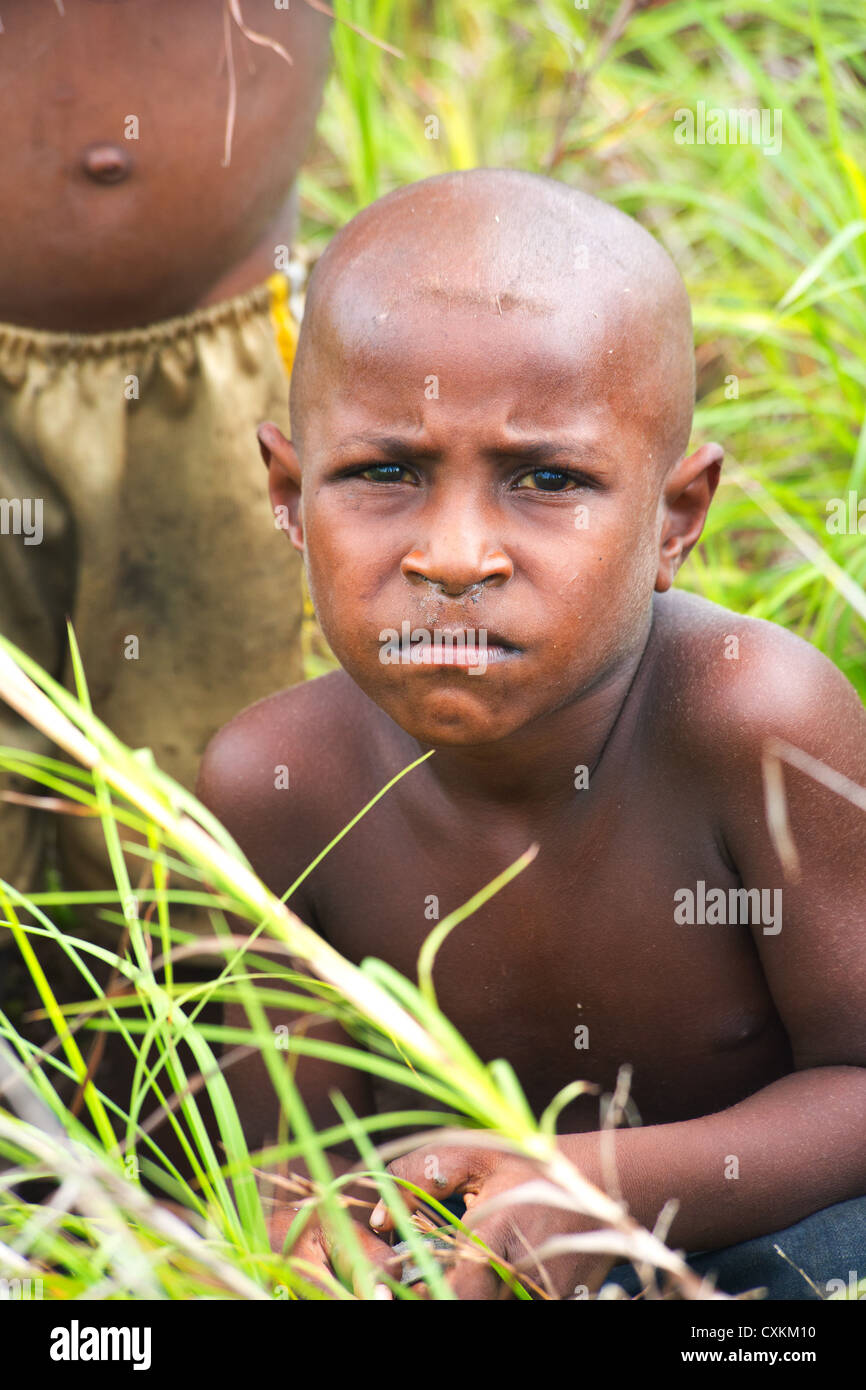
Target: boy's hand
315	1246
511	1233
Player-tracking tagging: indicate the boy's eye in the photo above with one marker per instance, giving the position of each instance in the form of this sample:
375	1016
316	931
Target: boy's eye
385	473
547	480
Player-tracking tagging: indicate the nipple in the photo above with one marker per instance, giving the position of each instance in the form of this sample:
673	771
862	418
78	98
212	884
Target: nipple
106	163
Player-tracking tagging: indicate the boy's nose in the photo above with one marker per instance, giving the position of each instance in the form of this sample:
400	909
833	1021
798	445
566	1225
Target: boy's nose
455	564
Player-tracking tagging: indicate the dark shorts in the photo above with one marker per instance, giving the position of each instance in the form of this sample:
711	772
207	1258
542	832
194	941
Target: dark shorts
829	1247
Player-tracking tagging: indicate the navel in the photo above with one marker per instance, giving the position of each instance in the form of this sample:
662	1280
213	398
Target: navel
106	163
740	1029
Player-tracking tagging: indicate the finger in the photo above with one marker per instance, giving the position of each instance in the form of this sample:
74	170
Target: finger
469	1272
310	1249
472	1277
280	1224
316	1248
382	1219
375	1251
439	1173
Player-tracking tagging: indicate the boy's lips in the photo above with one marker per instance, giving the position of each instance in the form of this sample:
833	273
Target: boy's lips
469	654
468	648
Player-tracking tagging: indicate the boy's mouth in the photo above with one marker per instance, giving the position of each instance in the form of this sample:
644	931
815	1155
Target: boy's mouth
471	649
469	654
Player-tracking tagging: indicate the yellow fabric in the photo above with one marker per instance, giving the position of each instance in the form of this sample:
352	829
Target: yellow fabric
158	542
285	328
317	657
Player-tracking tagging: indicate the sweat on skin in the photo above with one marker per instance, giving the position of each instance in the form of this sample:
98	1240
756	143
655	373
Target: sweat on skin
559	334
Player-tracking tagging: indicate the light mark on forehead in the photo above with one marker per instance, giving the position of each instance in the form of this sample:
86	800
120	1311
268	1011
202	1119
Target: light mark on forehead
449	295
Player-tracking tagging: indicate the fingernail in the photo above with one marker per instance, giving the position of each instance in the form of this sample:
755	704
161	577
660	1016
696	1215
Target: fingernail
381	1291
378	1217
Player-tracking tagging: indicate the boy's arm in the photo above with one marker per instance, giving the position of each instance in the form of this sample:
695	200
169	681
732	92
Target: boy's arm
796	1145
237	784
800	1144
315	1079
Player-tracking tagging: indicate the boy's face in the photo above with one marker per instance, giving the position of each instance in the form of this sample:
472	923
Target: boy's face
470	470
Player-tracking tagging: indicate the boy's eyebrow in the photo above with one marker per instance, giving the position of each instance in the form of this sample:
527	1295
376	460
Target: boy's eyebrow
546	451
393	446
397	447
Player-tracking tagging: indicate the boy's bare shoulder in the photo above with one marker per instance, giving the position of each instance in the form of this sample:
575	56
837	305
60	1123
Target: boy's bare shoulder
723	688
729	683
276	773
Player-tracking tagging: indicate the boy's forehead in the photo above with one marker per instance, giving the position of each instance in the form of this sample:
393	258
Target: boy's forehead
492	282
407	277
460	307
467	358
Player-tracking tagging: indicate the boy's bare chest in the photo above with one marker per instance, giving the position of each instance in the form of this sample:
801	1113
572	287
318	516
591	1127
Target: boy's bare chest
583	962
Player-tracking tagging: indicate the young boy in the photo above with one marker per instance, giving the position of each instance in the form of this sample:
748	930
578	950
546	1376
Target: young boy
491	409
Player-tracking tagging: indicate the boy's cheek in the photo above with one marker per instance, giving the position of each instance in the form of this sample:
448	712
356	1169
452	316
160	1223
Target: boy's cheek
613	570
350	629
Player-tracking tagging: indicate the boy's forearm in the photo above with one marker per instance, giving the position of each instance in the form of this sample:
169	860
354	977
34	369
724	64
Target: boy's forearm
792	1148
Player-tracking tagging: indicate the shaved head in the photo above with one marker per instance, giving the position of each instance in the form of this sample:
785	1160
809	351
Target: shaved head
503	243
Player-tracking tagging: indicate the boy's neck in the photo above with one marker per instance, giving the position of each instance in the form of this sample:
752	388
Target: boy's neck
536	765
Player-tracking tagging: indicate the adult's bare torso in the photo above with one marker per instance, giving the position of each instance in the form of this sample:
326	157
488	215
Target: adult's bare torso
578	966
90	241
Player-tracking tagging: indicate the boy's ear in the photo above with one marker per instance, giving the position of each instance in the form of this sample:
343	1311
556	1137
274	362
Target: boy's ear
284	481
686	497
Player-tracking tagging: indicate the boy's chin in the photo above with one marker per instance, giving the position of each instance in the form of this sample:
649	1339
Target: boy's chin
450	719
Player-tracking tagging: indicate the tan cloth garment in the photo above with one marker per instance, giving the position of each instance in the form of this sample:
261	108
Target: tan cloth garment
157	539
